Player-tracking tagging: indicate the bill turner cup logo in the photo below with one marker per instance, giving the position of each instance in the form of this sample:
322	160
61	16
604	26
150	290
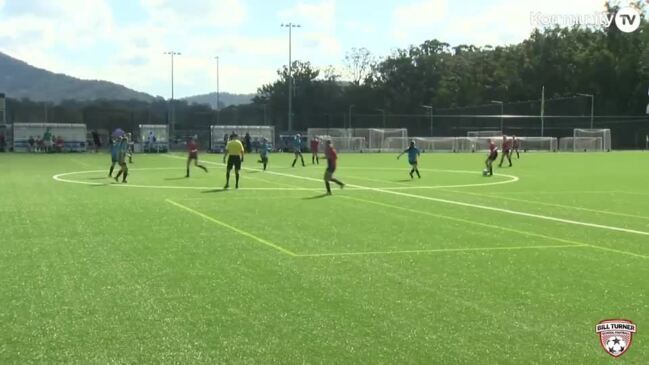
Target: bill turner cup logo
615	335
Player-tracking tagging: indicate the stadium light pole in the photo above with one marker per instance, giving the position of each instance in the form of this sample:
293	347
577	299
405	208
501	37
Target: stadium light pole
383	113
218	106
592	106
290	27
502	111
172	109
430	109
351	106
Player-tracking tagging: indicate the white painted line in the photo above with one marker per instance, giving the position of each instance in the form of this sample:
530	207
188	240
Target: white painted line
439	250
606	212
477	206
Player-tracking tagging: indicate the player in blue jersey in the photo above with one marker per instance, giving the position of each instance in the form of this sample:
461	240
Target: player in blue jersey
121	159
297	149
413	158
264	150
114	155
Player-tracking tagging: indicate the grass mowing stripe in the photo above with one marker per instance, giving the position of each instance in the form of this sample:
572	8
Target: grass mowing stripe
547	204
470	205
434	250
574	243
466	221
232	228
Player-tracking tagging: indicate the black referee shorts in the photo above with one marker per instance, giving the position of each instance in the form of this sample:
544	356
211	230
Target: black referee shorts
234	161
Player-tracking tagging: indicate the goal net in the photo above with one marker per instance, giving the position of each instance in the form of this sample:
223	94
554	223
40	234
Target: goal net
218	134
484	133
548	144
331	132
435	144
580	144
604	136
382	139
347	144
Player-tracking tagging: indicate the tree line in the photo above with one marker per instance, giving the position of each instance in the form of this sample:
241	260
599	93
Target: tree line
605	62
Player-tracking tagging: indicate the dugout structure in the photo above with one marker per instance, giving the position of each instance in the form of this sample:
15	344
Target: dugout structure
73	135
154	137
257	132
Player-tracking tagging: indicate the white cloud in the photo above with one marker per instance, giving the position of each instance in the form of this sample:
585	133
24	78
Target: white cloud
182	14
417	17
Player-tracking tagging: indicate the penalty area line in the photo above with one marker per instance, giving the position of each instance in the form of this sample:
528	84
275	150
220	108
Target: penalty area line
439	250
232	228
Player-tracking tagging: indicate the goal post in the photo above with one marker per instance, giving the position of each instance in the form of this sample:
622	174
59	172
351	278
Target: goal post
491	133
592	139
382	139
154	137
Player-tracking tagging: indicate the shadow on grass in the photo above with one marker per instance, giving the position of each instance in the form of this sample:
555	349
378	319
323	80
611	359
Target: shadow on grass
320	196
221	190
97	178
403	180
175	178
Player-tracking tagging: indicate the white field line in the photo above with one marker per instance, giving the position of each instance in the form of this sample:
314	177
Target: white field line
526	233
470	205
494	196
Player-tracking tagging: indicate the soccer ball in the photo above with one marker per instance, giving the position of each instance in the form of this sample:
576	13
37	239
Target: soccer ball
485	172
615	345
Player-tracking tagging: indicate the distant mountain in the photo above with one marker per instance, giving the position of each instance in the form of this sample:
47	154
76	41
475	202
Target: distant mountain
225	99
21	80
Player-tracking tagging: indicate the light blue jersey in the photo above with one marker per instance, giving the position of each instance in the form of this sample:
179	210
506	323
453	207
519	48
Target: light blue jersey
264	149
413	152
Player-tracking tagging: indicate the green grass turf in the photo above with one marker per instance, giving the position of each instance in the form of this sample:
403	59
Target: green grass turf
387	270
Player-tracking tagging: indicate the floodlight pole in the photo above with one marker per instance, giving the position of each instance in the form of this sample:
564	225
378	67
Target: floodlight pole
592	107
502	111
430	109
351	106
218	101
290	27
172	108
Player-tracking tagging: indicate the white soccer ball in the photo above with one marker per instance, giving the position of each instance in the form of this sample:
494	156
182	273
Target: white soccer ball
615	345
485	172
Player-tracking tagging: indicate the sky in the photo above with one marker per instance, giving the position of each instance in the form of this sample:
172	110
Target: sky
124	41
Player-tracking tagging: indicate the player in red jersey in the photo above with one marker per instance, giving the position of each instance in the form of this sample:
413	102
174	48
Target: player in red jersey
192	149
315	144
516	144
507	144
331	156
493	155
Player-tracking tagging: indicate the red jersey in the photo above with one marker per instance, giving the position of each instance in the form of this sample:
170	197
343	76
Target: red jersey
507	144
314	145
192	147
492	148
332	156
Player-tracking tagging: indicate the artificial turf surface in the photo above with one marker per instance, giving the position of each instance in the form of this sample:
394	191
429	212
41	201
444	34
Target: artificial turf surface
388	270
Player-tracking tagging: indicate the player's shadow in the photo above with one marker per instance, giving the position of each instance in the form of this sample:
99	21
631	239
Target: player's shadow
253	171
319	196
221	190
96	178
97	185
175	178
403	180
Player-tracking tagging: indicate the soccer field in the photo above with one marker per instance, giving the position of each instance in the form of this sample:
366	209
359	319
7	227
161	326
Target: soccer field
451	268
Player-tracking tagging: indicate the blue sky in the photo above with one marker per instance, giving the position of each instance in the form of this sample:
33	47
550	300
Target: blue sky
123	40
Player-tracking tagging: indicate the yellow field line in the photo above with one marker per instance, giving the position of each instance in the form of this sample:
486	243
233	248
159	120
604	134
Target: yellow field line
232	228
